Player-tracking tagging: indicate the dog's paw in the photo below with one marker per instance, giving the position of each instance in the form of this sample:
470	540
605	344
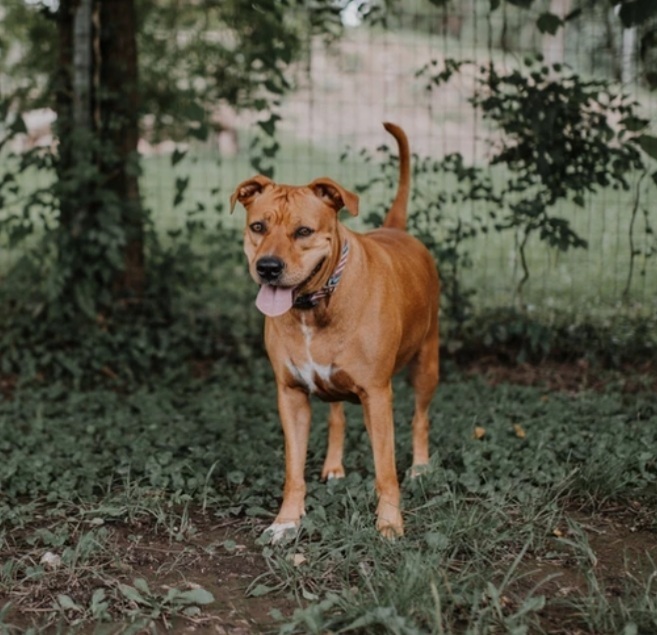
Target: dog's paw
279	533
389	521
389	531
332	472
419	470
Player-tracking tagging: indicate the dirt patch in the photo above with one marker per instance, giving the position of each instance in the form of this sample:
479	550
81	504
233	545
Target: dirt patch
606	557
223	559
616	547
568	376
219	557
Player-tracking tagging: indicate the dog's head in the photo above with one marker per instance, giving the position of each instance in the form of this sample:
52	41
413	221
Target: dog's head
290	236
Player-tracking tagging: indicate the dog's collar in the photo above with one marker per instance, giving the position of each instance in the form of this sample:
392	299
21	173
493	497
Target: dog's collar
310	300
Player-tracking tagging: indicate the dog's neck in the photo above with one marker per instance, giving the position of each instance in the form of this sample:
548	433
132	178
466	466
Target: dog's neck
311	300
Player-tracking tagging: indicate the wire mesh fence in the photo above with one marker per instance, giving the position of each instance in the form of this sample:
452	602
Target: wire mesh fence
376	69
344	89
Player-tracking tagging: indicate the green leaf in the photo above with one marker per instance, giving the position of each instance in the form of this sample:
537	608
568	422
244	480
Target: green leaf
260	590
84	300
130	593
178	156
575	13
195	596
634	123
98	596
549	23
637	12
18	126
181	187
269	125
648	144
67	603
532	604
142	585
194	112
229	545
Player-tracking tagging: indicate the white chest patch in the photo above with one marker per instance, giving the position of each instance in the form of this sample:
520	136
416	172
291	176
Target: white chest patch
309	372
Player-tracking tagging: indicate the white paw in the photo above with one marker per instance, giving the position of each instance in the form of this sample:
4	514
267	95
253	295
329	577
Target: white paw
334	475
420	470
281	532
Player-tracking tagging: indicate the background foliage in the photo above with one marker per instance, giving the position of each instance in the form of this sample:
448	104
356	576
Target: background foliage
556	136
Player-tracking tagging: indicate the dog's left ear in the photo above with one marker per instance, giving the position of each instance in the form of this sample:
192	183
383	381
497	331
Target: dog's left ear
247	190
335	195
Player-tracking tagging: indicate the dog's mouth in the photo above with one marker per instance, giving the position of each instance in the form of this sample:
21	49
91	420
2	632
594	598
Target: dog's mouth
274	300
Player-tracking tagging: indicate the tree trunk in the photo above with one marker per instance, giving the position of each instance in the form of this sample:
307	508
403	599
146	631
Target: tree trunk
119	112
63	83
97	121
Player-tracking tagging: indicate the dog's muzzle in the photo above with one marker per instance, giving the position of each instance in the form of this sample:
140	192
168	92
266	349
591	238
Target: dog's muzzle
269	268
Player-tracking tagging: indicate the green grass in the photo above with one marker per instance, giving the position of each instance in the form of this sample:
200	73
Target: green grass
511	532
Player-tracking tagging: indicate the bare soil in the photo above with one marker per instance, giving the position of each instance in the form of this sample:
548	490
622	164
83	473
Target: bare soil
202	560
622	545
571	377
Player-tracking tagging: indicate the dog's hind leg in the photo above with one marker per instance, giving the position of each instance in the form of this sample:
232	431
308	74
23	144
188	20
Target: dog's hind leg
336	424
424	378
377	411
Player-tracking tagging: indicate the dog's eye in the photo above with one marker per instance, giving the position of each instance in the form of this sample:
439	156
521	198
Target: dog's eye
257	227
304	232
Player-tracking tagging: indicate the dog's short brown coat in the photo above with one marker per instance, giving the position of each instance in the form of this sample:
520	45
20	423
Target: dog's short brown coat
382	315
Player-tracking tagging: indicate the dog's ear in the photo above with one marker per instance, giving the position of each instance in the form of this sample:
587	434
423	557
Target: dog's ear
335	195
247	190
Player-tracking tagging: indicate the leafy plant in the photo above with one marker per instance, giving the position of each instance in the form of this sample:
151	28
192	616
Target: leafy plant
153	605
559	143
108	295
562	138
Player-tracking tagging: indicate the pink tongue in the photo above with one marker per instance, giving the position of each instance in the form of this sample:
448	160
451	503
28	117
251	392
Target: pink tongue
273	301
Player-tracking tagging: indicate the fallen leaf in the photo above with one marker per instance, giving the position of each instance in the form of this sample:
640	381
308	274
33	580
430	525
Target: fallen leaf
50	560
519	430
298	559
479	432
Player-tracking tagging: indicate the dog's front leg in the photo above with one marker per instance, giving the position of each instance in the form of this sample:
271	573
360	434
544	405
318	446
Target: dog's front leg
377	408
336	425
294	410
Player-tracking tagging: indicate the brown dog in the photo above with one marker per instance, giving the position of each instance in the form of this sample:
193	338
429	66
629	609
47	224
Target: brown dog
345	311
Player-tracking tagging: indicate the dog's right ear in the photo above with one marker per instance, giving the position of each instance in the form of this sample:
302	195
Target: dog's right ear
247	190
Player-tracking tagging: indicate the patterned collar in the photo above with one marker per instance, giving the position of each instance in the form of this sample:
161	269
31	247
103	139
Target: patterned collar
310	300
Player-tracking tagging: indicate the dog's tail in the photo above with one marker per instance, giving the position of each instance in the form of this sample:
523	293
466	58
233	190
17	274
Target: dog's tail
396	217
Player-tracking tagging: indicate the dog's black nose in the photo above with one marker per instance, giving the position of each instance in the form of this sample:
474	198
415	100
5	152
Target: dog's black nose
270	268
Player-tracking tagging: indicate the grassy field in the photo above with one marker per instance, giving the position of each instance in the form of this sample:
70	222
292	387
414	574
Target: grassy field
142	512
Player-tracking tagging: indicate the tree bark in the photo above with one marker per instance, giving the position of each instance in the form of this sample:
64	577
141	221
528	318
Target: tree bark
119	121
97	121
